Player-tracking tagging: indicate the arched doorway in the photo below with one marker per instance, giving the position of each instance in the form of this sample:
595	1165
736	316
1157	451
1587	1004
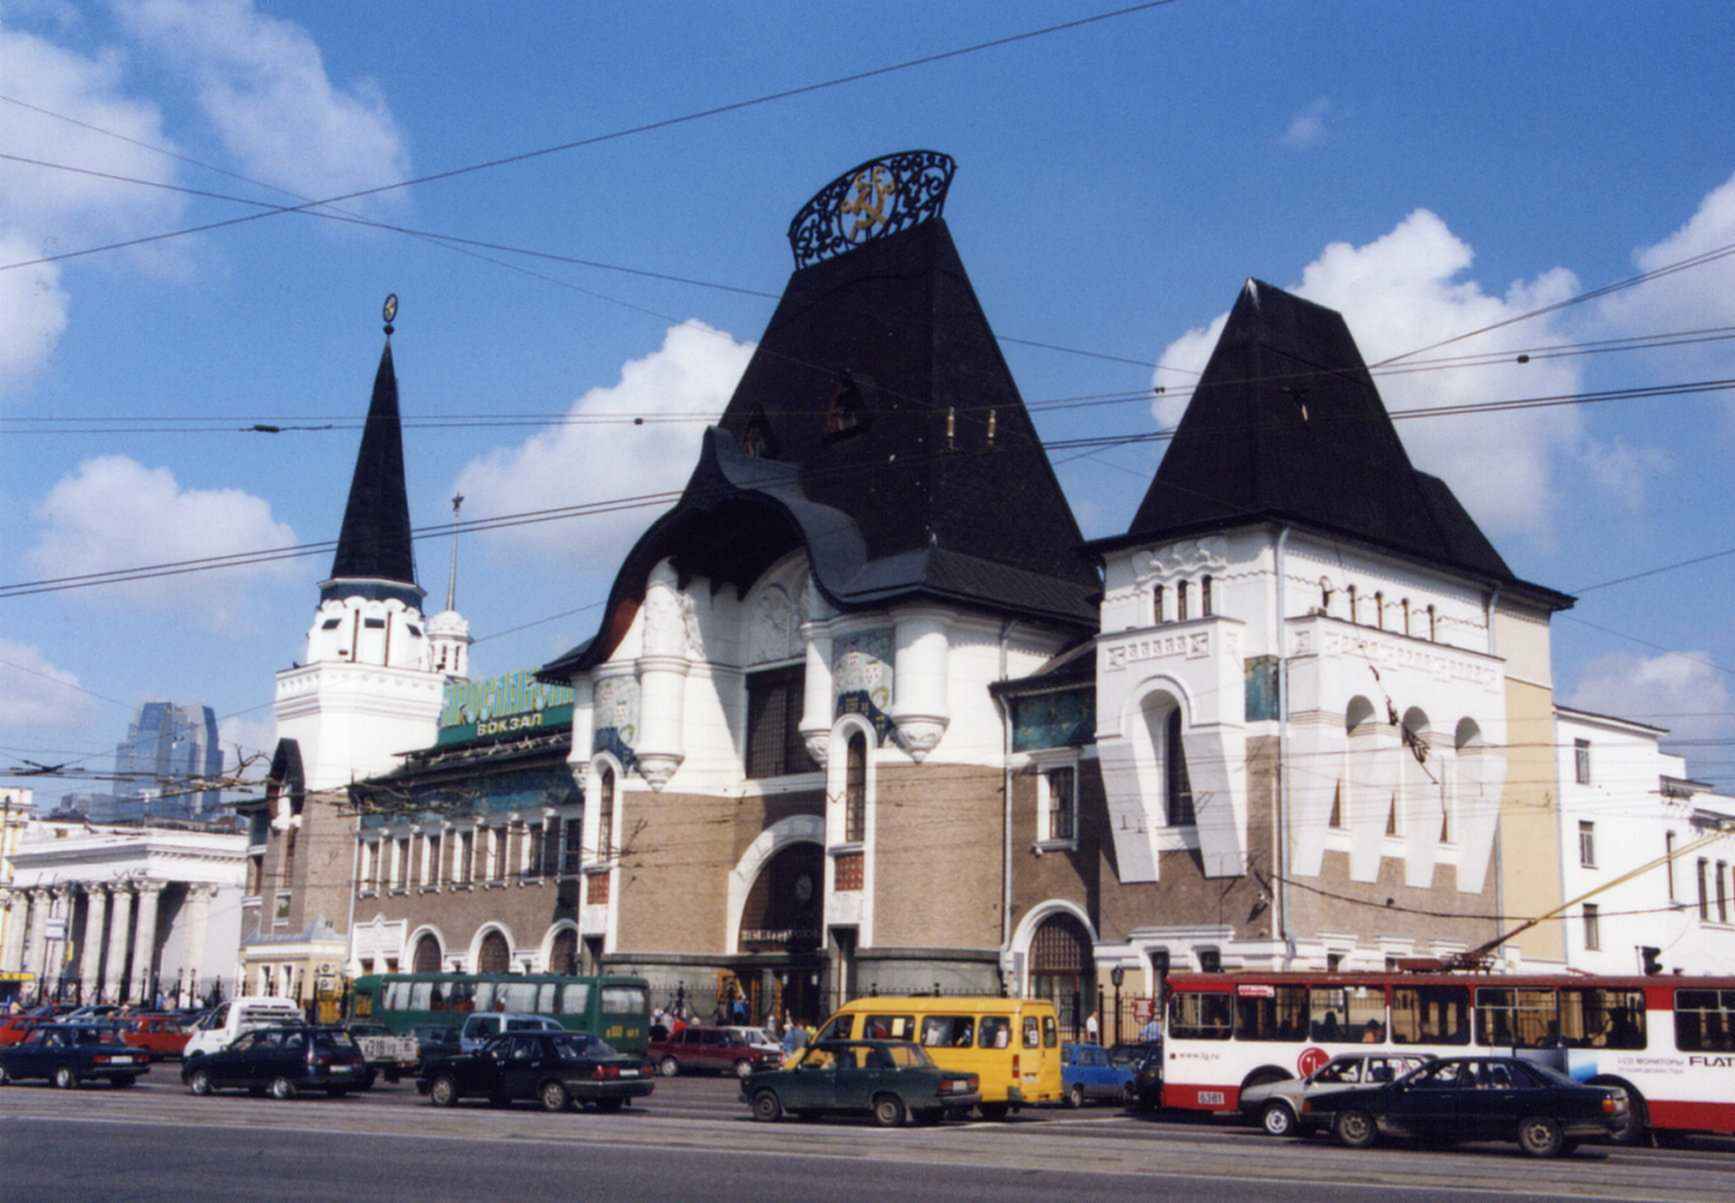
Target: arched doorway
563	952
426	958
494	956
783	917
1063	969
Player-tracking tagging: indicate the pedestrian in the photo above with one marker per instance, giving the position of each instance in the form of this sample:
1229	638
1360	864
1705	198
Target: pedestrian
1091	1029
1153	1029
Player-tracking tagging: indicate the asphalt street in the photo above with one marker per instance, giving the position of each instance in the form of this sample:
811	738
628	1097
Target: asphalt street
693	1140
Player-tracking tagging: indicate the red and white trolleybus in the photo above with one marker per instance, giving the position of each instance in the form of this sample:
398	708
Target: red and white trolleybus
1669	1041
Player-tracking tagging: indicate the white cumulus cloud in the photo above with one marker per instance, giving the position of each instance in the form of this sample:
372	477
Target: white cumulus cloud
40	695
1409	288
1691	299
1307	128
1677	690
262	83
113	512
694	371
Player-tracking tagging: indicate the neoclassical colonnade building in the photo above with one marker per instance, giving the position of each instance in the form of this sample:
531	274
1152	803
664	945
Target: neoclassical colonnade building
125	913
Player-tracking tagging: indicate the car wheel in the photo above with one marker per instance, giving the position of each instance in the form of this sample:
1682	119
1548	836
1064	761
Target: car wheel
743	1067
444	1092
888	1111
668	1067
65	1078
1278	1120
5	1078
768	1108
554	1097
199	1082
1357	1130
1540	1136
1075	1096
1638	1123
282	1088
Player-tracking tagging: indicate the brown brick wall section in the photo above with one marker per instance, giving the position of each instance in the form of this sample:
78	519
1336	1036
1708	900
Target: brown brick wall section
1388	907
324	860
527	911
937	856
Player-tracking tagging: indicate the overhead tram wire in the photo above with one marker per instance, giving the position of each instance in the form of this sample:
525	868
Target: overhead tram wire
619	134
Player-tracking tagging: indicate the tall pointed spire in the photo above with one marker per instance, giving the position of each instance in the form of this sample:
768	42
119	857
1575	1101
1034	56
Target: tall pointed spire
452	579
375	557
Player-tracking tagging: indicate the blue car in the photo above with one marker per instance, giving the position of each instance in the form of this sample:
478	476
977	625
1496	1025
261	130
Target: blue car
1087	1075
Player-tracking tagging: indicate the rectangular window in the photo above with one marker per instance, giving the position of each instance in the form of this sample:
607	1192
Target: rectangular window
551	848
436	844
1062	803
1705	1021
605	829
948	1031
1271	1013
1592	927
534	835
364	874
1347	1013
1157	605
499	844
1593	1018
1201	1016
1181	602
461	861
400	861
775	747
894	1027
281	915
1581	760
1507	1018
572	855
1587	844
1210	960
418	859
1722	892
1430	1015
1704	894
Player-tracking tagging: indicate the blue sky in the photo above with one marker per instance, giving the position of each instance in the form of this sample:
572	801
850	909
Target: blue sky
1427	168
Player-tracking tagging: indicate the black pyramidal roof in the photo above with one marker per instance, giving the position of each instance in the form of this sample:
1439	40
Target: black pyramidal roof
911	497
375	557
1286	424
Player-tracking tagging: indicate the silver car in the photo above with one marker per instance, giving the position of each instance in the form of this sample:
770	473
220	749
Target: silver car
1276	1106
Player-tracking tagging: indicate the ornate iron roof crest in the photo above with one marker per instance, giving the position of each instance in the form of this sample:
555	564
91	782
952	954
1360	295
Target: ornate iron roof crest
882	196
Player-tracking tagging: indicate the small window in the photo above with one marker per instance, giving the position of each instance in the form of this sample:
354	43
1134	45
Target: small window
1722	892
1704	894
575	998
889	1027
374	624
1157	615
1178	788
1271	1013
1380	610
1705	1021
1597	1018
330	624
845	413
1205	598
415	631
1347	1013
1050	1032
605	817
855	789
1433	625
1181	602
1062	803
1405	605
1587	844
1032	1030
1430	1015
1210	960
1507	1018
1592	927
948	1031
775	746
1354	614
1201	1016
995	1031
1581	759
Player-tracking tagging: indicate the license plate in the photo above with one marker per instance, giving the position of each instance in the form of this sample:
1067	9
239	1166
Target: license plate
1211	1098
629	1073
122	1061
342	1069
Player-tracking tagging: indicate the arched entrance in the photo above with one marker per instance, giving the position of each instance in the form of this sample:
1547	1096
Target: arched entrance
494	956
781	920
1063	969
563	952
426	958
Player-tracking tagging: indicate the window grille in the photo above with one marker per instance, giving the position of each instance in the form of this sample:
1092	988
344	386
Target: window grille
855	790
774	743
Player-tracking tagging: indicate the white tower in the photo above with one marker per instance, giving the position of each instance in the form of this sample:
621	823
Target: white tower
449	631
367	690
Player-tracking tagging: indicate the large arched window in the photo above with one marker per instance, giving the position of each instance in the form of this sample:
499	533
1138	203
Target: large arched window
1177	789
605	816
494	956
1063	968
563	953
426	958
855	790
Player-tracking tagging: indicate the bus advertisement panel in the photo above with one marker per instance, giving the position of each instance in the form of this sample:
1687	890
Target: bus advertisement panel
1668	1041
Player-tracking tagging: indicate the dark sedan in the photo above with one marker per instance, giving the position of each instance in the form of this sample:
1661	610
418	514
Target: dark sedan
69	1054
558	1069
1475	1098
281	1062
885	1079
1148	1082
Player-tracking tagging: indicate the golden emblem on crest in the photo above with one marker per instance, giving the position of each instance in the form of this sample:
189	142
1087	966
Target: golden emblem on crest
864	210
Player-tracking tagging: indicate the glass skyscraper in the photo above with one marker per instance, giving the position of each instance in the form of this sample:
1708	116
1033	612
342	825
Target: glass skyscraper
166	747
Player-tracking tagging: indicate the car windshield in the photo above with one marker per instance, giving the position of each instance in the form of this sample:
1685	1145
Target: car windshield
581	1048
909	1056
89	1036
334	1042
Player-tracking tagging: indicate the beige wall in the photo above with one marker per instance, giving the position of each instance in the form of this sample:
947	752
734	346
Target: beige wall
1529	841
937	857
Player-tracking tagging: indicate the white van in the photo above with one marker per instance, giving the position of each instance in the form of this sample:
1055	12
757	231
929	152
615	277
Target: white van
483	1026
223	1026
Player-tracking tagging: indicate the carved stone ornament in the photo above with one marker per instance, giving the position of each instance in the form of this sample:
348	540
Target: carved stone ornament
774	631
665	625
1188	558
918	734
657	767
818	746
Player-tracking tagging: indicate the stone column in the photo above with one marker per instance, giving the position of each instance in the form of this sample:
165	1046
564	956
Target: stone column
17	906
145	947
663	669
54	954
90	966
199	918
114	982
37	960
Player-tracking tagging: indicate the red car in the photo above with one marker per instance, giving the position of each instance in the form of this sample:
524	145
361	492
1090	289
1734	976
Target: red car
714	1050
13	1028
159	1035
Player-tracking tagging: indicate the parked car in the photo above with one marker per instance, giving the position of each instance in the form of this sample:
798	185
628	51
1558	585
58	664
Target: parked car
386	1053
70	1054
14	1028
94	1013
758	1038
159	1035
1148	1083
1474	1098
226	1022
1132	1052
483	1026
436	1041
1088	1076
706	1049
1276	1106
885	1079
559	1069
282	1062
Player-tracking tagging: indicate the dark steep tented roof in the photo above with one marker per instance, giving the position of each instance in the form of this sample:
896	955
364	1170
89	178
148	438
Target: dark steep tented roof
1286	424
891	336
374	545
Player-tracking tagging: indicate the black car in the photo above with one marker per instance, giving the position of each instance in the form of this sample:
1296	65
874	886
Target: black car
281	1062
885	1079
1148	1081
558	1069
1475	1098
68	1054
1133	1053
